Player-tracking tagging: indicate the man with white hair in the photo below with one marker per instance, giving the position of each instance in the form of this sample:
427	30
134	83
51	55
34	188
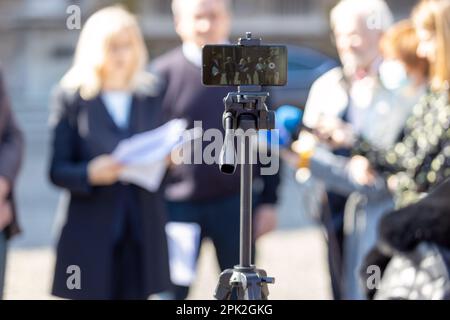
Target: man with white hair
199	196
357	27
344	103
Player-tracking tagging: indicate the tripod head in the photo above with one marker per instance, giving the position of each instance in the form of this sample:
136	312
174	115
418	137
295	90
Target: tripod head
250	105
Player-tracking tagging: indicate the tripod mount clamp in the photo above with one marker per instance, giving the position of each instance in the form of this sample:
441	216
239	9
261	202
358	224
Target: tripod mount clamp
249	283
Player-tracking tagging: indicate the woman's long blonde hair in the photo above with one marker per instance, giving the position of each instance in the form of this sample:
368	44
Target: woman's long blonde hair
434	16
99	29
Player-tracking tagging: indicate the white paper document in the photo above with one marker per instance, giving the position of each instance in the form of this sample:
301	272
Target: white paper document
144	154
183	241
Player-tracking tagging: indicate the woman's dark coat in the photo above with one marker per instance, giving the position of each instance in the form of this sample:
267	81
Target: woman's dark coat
83	129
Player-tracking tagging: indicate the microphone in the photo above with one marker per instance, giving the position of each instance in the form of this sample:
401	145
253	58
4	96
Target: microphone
288	122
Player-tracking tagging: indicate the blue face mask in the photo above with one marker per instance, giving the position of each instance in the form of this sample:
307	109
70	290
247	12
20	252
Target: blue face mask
393	75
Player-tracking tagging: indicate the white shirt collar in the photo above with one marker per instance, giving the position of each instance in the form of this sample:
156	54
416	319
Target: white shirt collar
192	53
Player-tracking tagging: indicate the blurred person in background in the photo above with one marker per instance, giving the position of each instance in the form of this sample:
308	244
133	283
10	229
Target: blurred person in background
243	71
369	96
332	96
413	251
420	159
199	194
11	153
251	65
261	70
405	75
230	70
420	162
399	49
114	232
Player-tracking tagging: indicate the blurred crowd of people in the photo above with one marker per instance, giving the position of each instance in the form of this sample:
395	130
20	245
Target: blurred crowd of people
262	70
374	137
379	138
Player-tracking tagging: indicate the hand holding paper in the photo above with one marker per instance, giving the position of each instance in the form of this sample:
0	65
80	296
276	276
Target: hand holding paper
144	154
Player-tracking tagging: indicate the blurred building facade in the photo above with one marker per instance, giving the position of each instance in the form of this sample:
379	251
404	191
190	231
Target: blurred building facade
37	47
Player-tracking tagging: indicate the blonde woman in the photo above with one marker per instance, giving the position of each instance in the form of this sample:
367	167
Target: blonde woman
113	238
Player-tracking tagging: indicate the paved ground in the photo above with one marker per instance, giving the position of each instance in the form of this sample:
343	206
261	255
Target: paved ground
294	254
295	258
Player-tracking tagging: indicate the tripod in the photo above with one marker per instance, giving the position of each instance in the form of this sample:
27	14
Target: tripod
245	110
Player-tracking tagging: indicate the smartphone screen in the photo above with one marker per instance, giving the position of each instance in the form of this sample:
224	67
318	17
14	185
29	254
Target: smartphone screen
235	65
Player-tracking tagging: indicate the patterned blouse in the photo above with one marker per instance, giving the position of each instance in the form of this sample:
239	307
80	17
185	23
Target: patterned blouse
421	159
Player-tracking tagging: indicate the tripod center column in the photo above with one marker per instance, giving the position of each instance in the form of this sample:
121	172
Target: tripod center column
247	139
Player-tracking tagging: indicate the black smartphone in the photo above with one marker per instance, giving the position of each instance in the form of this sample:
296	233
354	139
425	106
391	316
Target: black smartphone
237	65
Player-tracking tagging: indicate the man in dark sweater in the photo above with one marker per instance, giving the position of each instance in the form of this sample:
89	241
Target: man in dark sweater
200	193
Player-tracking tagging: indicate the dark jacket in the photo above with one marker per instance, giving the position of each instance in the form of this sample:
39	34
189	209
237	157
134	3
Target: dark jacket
420	160
83	130
401	231
11	151
230	67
